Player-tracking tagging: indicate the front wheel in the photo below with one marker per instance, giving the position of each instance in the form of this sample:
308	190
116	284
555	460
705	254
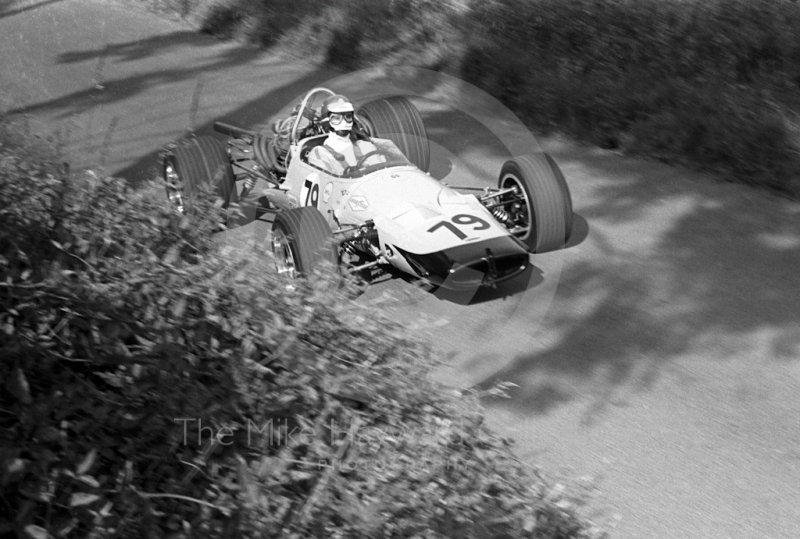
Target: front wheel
302	241
538	207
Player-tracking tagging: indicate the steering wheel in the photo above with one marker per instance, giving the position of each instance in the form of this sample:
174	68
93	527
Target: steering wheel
350	170
365	157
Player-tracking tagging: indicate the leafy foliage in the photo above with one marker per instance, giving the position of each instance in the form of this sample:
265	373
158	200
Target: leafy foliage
156	385
712	83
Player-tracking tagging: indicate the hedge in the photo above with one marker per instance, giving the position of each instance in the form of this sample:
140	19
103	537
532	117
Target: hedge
156	385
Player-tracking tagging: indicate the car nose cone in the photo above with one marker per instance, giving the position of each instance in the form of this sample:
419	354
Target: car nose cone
471	264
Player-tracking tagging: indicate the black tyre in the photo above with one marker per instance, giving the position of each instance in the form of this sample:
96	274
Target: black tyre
302	241
195	162
539	211
397	119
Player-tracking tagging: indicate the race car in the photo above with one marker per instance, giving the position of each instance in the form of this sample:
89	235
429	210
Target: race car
385	213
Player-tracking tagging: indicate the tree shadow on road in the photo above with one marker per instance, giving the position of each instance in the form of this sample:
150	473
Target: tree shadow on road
103	91
5	12
676	264
131	51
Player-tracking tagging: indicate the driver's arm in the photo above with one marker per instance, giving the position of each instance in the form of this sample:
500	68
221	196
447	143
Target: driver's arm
322	158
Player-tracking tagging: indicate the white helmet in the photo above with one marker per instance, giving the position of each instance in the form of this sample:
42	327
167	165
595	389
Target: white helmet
338	111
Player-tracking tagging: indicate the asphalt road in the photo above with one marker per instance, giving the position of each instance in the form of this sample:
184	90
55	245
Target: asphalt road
657	358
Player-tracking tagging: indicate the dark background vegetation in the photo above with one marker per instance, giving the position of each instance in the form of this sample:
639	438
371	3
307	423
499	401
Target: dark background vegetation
712	84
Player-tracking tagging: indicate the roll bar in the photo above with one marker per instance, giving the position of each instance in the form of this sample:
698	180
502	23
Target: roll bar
301	111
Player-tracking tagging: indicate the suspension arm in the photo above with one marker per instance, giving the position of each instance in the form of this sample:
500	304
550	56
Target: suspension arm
498	193
233	131
504	203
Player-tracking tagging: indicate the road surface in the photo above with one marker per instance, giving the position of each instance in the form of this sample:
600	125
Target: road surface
658	357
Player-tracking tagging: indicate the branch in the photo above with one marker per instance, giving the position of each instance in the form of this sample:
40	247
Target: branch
183	498
210	446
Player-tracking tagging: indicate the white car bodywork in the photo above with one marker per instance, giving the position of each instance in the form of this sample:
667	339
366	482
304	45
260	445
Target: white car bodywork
410	209
413	222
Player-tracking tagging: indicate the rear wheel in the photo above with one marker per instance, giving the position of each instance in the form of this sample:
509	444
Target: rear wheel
193	163
397	119
302	241
538	210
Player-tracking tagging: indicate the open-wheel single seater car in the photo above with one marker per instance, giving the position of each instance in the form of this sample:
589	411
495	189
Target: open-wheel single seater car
387	211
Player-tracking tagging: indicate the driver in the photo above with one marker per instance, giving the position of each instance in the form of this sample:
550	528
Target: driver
342	148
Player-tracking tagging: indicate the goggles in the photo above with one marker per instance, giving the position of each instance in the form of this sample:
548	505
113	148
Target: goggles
338	117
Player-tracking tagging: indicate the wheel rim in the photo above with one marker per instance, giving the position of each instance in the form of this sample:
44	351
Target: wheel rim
284	254
519	211
173	186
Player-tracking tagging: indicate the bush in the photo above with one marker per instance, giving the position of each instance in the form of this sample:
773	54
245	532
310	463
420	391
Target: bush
156	385
222	21
713	82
